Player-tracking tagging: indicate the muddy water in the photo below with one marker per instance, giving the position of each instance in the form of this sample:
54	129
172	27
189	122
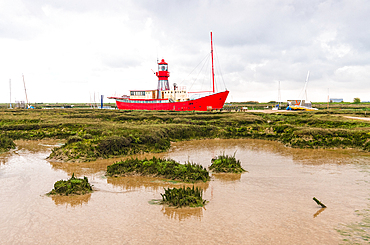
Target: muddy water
270	204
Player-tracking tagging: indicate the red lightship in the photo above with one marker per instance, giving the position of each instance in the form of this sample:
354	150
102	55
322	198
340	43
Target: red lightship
176	99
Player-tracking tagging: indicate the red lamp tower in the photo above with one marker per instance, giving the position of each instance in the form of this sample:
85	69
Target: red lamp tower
162	75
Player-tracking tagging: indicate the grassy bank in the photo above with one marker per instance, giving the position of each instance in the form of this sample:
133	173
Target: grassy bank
92	134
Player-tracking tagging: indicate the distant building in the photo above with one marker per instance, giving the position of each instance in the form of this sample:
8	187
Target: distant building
335	100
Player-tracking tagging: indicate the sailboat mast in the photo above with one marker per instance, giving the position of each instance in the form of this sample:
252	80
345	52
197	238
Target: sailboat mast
213	71
25	91
305	86
10	91
279	94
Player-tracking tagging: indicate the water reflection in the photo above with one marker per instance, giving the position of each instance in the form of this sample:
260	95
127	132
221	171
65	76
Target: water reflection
250	209
130	183
26	147
72	201
83	168
303	156
211	148
318	212
4	157
227	177
182	213
93	167
33	146
190	151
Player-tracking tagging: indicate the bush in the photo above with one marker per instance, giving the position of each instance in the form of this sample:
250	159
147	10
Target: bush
183	197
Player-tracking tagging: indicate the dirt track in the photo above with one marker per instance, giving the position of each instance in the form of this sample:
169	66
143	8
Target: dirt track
359	118
269	111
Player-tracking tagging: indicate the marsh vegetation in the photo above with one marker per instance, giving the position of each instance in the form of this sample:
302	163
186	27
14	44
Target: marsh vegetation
185	196
96	134
226	164
6	144
73	186
166	168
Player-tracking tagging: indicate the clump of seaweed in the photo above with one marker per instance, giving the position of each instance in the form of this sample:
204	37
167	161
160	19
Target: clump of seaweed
180	197
73	186
167	168
226	164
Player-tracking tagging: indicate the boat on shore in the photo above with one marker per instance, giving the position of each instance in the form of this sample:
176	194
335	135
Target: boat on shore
301	105
172	99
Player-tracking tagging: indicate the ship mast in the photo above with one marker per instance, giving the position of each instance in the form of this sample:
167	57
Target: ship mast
305	87
10	91
25	91
213	72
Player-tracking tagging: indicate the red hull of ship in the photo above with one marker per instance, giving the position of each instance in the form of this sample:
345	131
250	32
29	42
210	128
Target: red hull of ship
211	102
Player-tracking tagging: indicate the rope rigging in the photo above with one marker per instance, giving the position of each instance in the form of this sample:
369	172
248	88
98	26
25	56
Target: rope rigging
204	65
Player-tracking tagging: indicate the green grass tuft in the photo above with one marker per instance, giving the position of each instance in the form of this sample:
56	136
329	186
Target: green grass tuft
226	164
73	186
180	197
166	168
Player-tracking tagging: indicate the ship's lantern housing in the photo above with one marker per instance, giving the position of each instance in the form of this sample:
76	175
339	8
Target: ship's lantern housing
162	75
163	67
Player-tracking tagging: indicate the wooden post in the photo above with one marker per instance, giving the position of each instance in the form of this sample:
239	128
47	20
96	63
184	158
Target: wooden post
319	203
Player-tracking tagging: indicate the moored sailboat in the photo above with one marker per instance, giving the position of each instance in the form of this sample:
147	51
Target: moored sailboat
301	105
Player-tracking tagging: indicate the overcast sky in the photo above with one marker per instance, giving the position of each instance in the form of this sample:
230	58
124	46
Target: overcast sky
70	49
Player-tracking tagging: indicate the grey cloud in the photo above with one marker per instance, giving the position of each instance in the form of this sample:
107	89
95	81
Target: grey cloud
258	41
